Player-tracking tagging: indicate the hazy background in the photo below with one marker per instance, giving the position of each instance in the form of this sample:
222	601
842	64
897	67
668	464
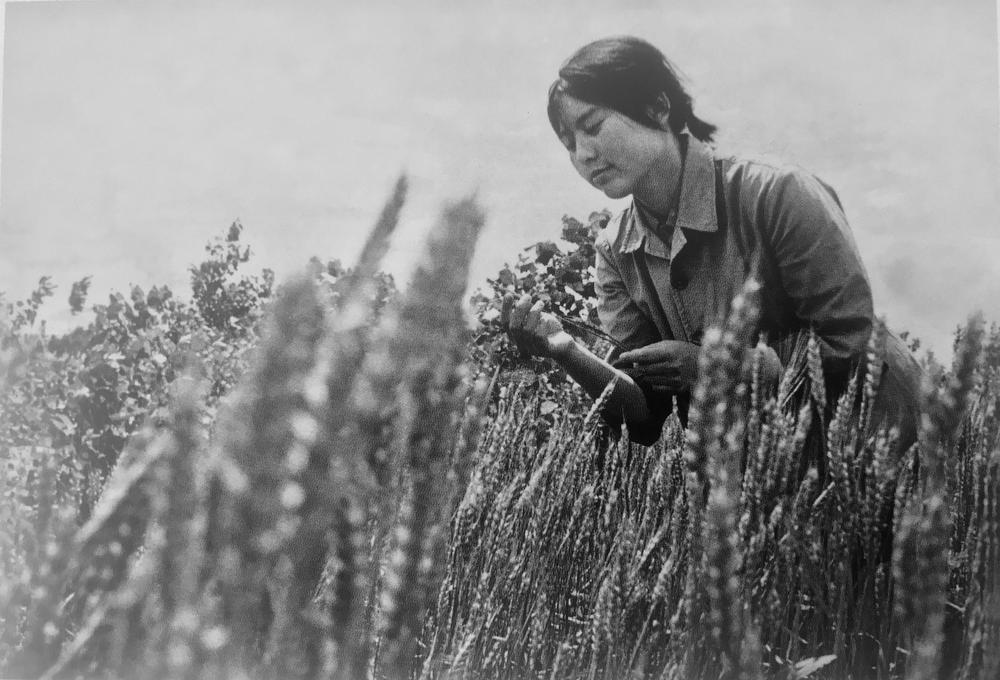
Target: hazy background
133	132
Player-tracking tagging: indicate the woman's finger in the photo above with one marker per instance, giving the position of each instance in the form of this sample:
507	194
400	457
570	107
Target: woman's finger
652	384
624	359
548	325
663	382
514	331
505	308
643	355
519	311
533	316
660	368
664	350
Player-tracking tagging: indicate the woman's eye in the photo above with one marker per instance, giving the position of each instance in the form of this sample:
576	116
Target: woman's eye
594	128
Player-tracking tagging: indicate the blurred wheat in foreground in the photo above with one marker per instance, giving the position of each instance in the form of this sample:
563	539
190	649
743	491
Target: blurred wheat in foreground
366	505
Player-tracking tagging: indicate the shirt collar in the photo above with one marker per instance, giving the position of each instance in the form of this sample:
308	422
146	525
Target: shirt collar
696	207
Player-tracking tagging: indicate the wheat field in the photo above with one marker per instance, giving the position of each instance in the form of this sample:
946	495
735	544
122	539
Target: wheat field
369	502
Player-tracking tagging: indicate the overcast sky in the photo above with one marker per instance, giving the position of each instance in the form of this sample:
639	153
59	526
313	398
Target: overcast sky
133	132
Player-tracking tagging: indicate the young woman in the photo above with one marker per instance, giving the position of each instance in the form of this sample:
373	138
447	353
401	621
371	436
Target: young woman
699	224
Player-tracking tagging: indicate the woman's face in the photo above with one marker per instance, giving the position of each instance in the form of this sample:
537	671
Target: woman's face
615	153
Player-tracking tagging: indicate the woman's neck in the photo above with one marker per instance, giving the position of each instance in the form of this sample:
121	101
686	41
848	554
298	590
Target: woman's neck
660	191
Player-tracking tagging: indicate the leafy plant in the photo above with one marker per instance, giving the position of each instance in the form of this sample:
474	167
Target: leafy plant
564	280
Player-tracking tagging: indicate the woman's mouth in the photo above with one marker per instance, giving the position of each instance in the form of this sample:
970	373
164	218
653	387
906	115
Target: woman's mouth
601	173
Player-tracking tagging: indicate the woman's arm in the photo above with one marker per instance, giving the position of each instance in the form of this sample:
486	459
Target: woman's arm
539	333
593	375
666	367
815	258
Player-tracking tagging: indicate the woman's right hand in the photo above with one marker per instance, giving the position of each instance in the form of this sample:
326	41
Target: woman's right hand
535	332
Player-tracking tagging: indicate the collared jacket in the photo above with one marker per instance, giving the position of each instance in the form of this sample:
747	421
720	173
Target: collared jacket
736	218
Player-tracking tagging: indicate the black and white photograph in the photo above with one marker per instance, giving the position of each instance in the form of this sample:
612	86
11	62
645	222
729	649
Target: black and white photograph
552	340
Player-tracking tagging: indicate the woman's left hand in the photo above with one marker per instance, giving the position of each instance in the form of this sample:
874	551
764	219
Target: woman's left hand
666	366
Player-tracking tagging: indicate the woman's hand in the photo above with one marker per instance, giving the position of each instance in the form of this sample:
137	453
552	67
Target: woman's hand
666	366
535	332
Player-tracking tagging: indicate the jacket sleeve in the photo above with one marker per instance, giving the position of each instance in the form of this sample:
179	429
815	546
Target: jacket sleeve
625	322
620	317
817	262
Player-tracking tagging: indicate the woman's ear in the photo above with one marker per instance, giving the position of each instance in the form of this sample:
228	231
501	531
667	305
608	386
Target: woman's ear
660	112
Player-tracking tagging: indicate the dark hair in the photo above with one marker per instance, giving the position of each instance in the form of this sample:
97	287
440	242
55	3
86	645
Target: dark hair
631	76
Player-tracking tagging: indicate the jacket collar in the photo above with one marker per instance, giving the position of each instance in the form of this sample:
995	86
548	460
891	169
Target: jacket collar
696	207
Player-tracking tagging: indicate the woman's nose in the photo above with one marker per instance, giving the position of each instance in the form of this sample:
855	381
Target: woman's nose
585	151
